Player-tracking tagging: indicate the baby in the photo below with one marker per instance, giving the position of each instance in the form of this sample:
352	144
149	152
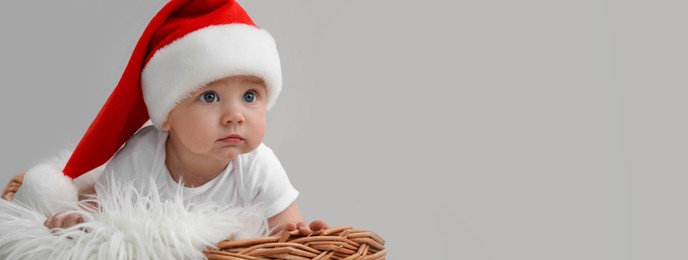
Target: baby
206	76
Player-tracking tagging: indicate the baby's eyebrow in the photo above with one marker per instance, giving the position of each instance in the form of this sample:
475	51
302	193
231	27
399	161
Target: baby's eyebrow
254	80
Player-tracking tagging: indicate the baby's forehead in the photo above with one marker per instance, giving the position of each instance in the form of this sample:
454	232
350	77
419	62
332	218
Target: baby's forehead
254	80
242	80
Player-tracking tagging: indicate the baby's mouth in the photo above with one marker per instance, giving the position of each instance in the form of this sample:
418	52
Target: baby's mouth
232	139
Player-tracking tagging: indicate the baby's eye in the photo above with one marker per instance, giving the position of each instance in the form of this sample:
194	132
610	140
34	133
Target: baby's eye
209	97
250	96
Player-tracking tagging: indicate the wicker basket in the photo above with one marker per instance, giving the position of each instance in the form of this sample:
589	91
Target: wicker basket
334	243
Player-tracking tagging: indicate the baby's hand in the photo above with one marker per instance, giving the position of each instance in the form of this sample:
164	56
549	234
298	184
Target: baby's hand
63	220
306	229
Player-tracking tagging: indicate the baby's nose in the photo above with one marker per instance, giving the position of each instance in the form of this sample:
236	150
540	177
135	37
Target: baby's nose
233	117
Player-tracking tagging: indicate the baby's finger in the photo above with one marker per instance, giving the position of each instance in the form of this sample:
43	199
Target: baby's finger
71	220
290	226
13	187
47	221
55	222
304	229
319	225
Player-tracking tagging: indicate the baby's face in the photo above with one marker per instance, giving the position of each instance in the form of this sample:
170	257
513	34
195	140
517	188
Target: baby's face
221	120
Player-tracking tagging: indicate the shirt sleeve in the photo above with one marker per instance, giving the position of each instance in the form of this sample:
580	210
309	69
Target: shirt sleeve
269	186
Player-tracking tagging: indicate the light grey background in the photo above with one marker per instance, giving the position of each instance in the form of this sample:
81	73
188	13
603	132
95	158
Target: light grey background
455	129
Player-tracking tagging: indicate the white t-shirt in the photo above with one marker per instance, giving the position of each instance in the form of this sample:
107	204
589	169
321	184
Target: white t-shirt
254	178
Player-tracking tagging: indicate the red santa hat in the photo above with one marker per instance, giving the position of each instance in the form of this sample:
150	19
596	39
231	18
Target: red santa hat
186	45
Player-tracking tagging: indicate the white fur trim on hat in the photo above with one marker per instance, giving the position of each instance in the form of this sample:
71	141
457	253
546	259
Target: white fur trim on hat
206	55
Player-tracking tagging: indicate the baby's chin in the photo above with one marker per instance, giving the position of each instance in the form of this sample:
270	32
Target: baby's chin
231	153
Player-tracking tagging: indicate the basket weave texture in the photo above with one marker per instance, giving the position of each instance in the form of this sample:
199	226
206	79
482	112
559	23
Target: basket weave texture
334	244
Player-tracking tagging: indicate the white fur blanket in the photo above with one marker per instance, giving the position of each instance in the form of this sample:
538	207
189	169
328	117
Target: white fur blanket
128	224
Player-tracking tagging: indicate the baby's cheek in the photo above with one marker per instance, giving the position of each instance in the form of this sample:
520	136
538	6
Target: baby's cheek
259	135
255	140
197	143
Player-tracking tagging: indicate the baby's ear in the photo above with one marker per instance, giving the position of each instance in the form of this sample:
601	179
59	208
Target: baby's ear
166	125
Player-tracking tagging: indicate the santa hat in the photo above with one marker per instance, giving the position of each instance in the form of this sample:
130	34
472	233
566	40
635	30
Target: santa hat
187	44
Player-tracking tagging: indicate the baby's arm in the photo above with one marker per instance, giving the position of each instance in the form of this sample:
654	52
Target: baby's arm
291	219
65	220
